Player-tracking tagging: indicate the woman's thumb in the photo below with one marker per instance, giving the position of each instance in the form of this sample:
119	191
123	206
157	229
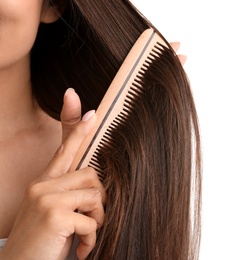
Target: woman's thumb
71	112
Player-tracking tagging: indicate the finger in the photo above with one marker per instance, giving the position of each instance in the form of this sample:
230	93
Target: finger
71	112
87	201
182	58
63	158
79	224
85	178
91	205
175	46
86	245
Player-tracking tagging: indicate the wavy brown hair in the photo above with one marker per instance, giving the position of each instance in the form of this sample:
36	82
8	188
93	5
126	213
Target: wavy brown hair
152	169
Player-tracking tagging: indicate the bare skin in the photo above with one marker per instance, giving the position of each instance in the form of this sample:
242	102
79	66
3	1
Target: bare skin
28	138
46	217
23	157
28	141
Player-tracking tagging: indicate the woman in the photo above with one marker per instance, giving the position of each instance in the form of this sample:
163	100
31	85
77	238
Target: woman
142	208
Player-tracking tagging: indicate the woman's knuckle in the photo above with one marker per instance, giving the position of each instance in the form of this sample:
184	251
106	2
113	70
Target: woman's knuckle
96	195
92	176
43	202
92	224
34	190
96	200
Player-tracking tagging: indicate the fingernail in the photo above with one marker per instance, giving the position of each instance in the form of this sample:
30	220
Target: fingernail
88	115
70	90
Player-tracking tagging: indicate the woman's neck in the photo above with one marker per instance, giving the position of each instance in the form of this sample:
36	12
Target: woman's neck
17	107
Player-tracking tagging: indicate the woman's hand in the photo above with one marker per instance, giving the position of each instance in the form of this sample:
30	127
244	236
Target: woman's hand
48	216
176	46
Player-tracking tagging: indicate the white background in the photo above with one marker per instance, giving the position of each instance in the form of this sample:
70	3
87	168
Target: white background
212	35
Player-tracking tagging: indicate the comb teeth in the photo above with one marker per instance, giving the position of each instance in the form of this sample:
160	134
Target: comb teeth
131	95
119	99
106	139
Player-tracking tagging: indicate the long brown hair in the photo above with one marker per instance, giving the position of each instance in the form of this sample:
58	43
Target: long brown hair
152	169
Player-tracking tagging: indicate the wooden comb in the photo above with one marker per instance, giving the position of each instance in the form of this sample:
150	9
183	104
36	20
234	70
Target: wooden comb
119	98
